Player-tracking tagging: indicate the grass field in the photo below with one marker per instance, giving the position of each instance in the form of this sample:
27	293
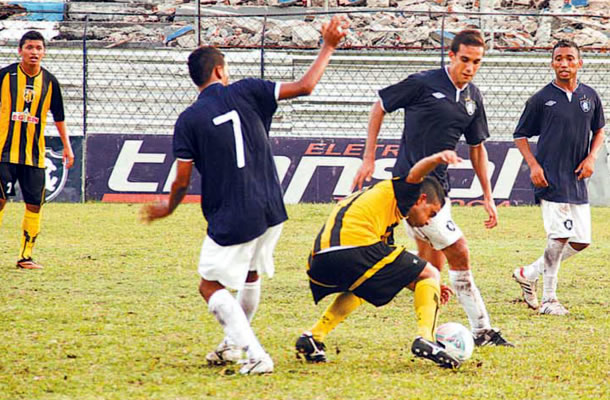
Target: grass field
116	314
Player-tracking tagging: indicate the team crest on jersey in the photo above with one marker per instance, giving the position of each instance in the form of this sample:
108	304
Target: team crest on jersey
56	174
470	105
29	94
585	104
568	224
451	225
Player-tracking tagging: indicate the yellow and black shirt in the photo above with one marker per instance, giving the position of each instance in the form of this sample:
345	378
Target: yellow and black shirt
25	101
369	216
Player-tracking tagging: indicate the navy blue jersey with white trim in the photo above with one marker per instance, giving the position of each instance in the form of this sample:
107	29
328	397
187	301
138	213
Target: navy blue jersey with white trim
564	124
226	134
437	114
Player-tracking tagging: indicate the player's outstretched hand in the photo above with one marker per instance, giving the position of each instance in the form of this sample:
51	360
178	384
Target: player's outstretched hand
446	293
585	168
335	30
537	176
365	173
492	212
153	211
449	157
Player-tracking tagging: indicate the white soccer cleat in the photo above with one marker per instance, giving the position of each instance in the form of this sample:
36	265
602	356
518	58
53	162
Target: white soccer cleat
259	366
553	307
225	353
528	288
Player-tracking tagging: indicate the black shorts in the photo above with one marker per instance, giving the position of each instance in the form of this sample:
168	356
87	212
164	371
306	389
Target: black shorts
31	181
375	273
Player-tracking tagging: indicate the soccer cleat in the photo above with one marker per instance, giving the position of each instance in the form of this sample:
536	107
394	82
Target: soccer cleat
311	349
262	365
553	307
528	288
433	351
489	337
225	353
28	263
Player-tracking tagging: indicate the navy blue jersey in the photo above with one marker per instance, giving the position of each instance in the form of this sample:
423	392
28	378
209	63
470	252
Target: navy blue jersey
226	133
437	114
564	128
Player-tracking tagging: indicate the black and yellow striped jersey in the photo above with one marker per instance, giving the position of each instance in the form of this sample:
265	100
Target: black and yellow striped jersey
368	216
24	103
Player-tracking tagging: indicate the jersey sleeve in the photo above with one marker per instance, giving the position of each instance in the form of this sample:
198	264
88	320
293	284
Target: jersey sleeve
57	101
264	95
529	122
401	94
477	131
599	120
184	148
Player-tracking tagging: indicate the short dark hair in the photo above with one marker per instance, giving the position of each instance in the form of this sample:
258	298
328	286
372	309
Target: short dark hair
467	37
566	43
31	35
433	189
201	63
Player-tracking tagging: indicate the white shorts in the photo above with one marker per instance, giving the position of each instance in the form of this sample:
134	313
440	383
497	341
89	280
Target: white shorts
441	232
229	265
565	220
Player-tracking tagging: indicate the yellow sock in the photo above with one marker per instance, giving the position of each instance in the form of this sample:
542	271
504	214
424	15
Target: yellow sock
1	215
337	311
31	228
427	301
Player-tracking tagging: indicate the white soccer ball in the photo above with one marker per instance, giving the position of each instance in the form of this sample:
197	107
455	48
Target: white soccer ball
457	340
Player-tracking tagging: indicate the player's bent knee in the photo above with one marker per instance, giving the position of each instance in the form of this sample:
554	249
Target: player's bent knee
430	272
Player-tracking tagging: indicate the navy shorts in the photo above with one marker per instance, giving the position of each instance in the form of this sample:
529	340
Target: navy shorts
31	181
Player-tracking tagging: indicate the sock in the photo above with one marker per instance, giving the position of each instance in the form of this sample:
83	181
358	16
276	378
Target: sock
427	300
552	260
230	315
337	311
249	297
535	269
31	228
1	215
469	296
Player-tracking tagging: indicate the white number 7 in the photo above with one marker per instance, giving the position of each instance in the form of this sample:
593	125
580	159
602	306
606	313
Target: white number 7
239	139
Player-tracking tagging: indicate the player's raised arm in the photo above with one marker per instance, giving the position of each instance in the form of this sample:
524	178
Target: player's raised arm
424	166
365	172
479	158
162	209
332	33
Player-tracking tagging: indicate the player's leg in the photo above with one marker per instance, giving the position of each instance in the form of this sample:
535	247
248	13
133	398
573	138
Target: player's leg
7	183
32	183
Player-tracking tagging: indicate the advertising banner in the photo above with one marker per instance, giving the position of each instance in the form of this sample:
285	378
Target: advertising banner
138	168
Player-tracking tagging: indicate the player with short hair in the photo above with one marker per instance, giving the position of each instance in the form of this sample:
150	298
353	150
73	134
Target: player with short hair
563	114
440	106
225	134
353	256
27	92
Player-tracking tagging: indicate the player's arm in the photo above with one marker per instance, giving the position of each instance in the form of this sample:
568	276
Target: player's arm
68	154
587	166
162	209
536	171
332	33
424	166
480	160
365	172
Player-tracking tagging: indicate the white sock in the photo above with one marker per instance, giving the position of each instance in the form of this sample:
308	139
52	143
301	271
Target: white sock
469	296
535	269
234	322
552	261
249	297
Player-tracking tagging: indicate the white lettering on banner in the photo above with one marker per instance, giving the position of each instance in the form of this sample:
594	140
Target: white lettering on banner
128	157
282	163
475	190
306	168
508	174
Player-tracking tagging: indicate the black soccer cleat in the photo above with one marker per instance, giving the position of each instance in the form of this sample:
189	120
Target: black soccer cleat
491	337
434	352
311	349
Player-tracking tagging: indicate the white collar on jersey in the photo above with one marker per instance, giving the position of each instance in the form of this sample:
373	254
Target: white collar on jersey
568	93
457	89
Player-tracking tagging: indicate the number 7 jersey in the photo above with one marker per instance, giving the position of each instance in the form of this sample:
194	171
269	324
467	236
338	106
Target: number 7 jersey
225	133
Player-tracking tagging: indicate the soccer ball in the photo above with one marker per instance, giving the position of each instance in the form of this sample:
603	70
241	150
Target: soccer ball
457	340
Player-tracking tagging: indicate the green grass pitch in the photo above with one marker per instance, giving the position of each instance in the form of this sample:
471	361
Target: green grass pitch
116	314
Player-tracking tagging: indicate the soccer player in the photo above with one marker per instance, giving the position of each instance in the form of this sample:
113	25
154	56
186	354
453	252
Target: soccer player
27	92
353	256
563	114
440	106
225	134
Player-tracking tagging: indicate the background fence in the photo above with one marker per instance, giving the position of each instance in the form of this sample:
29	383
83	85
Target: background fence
141	90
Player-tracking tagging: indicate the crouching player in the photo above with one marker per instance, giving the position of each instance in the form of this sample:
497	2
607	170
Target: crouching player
351	256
